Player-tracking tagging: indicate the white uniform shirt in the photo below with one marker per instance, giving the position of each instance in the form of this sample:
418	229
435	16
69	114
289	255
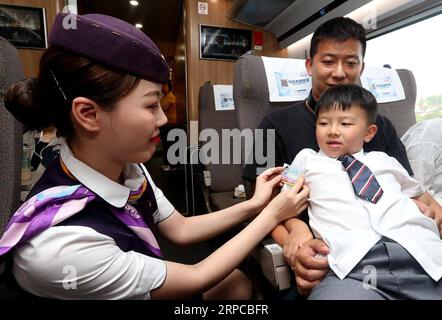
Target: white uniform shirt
424	150
350	226
93	264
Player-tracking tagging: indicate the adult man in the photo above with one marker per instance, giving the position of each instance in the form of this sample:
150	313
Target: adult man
336	57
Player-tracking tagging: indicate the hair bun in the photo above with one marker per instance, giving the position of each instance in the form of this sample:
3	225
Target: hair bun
20	101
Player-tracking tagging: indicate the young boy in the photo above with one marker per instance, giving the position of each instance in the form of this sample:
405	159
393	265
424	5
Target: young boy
360	207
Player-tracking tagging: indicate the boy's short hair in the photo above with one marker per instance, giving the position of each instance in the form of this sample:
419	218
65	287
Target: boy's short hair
339	29
343	96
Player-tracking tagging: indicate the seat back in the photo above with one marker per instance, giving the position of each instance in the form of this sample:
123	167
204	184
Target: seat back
401	113
251	92
224	177
251	96
11	141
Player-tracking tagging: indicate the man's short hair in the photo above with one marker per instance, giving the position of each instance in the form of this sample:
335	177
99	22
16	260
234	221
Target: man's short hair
344	96
339	29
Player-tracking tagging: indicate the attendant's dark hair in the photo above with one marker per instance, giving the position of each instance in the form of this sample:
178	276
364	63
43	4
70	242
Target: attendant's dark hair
339	29
47	99
344	96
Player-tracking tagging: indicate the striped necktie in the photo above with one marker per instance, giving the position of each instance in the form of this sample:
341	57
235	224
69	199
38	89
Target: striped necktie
364	183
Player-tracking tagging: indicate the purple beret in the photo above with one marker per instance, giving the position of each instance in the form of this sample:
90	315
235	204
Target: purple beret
111	42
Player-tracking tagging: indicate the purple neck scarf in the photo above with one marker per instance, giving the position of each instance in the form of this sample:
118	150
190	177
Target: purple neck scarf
53	205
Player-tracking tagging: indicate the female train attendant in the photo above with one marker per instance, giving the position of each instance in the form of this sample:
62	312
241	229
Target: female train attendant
88	229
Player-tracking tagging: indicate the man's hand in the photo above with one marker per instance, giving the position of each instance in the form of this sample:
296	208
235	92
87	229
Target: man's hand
309	269
299	234
430	213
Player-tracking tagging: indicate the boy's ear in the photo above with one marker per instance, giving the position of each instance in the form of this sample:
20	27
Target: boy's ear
85	114
371	131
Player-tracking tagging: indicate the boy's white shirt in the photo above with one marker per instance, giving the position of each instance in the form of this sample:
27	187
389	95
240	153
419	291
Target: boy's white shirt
351	226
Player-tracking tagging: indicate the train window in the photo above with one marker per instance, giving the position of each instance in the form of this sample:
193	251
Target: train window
417	48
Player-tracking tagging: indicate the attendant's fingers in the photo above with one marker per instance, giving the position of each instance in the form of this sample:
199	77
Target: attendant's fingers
297	186
303	207
269	172
304	193
275	180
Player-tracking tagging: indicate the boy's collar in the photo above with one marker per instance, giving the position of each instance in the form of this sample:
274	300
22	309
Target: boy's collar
356	154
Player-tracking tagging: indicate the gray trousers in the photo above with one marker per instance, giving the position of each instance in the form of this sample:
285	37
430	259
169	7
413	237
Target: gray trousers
386	272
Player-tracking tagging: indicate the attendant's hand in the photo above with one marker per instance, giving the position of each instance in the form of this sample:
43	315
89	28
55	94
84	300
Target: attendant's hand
290	203
309	268
267	186
430	213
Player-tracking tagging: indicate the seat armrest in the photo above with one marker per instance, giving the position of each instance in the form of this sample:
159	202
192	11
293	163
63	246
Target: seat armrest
271	260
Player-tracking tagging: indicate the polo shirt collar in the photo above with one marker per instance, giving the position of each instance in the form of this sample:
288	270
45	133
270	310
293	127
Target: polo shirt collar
110	191
311	101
